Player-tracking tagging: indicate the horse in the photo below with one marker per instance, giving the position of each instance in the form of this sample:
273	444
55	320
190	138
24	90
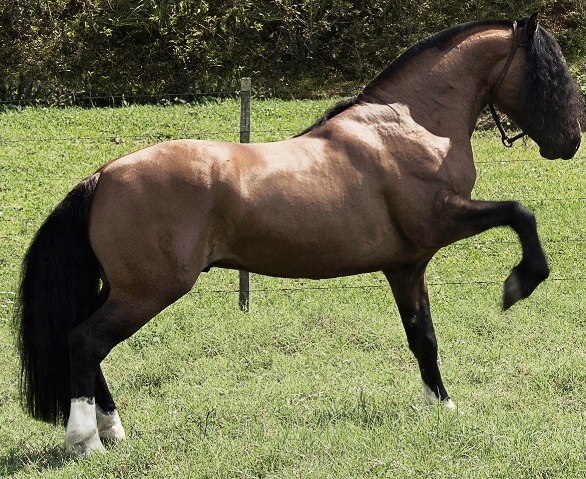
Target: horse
381	183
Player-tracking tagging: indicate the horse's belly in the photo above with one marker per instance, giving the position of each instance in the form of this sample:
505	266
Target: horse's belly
319	249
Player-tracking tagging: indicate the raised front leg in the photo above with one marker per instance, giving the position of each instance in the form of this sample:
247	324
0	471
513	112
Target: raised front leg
457	218
410	291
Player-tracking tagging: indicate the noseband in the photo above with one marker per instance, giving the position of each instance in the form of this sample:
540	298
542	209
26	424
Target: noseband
507	141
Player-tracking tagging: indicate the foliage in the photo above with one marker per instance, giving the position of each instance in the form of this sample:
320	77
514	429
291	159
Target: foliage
66	47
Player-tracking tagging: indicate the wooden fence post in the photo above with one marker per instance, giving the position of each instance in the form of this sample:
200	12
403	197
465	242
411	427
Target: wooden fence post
245	89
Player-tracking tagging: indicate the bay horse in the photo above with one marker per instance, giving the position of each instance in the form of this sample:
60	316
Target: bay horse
381	183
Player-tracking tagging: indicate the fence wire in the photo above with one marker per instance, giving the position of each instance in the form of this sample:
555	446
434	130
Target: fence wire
93	101
385	286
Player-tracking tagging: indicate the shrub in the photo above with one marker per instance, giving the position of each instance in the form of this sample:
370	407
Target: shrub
300	47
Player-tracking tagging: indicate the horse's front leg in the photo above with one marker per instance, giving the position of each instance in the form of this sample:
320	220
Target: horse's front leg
410	292
459	218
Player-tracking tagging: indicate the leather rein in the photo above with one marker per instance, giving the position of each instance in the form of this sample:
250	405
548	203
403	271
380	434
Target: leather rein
507	141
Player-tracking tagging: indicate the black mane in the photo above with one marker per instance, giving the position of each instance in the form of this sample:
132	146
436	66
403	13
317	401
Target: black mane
330	113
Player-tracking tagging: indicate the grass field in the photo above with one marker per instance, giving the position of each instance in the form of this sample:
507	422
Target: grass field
317	380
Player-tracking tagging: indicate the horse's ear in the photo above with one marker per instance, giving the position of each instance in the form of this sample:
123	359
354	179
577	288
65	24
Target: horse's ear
531	26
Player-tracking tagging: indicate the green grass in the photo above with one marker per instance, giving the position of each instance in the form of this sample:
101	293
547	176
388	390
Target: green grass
317	381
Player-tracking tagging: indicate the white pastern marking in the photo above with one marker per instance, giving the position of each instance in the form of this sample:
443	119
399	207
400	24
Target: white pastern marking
109	425
429	395
81	436
433	400
449	405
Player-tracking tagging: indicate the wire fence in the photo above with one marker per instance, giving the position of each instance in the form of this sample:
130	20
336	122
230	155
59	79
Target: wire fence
96	101
120	100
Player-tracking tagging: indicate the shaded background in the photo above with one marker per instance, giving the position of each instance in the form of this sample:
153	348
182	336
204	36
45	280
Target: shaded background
58	49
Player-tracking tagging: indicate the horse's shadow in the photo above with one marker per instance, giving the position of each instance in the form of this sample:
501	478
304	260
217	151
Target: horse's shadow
46	458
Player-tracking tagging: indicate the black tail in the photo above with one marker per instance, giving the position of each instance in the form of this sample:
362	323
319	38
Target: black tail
60	281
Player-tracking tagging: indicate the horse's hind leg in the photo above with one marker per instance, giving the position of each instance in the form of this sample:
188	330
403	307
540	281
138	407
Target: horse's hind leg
108	420
89	343
410	291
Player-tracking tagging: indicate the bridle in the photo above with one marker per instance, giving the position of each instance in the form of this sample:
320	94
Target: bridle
507	141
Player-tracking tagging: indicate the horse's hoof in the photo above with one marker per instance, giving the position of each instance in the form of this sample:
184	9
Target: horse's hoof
433	400
81	435
84	448
113	433
522	282
512	291
109	425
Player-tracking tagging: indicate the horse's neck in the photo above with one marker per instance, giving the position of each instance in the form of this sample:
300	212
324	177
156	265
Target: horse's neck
445	90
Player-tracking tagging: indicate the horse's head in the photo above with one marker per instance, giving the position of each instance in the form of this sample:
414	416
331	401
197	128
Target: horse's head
539	94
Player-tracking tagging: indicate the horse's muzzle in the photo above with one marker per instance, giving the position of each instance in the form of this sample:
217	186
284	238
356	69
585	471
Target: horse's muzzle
566	151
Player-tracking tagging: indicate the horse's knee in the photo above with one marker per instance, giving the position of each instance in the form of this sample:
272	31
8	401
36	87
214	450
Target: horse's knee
523	217
421	338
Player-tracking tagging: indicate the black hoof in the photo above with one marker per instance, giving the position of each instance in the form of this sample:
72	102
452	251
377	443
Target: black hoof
511	291
521	283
